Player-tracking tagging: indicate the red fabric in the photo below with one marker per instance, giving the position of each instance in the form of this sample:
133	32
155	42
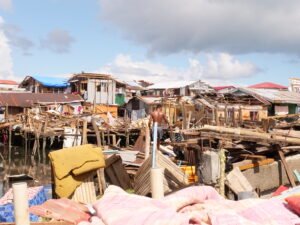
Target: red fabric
279	190
294	203
61	209
268	85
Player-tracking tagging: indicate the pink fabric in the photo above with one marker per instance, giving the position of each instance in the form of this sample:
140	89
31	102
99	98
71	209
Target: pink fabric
8	197
193	205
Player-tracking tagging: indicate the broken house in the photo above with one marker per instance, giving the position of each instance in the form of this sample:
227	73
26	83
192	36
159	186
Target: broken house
98	88
294	84
230	109
178	88
140	106
281	102
16	103
37	84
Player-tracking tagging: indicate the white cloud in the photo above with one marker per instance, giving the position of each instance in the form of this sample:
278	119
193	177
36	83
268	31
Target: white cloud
58	41
216	70
5	4
17	39
234	26
6	62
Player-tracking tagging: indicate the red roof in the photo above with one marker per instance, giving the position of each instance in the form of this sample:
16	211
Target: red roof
218	88
268	85
8	82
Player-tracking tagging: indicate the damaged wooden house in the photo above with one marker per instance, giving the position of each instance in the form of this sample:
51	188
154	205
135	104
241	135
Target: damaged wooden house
98	88
178	88
15	103
37	84
281	102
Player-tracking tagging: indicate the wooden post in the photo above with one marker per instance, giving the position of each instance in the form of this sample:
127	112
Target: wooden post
183	116
217	117
240	115
96	129
94	103
225	115
9	144
84	133
44	155
189	120
147	142
26	149
101	180
222	171
213	120
233	117
286	167
127	137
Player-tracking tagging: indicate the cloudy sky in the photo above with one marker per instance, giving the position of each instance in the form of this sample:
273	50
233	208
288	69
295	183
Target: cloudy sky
236	42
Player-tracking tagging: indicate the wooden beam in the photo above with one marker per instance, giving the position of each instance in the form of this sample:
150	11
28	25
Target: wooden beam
286	167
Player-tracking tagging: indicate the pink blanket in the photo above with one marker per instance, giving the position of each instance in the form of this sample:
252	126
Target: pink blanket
193	205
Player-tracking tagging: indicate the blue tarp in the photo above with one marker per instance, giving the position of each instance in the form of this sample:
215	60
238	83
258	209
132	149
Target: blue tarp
56	82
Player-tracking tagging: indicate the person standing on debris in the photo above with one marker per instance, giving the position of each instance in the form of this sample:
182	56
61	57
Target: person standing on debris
158	116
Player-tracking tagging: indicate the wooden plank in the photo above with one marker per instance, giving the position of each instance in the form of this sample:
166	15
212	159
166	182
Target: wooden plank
111	176
286	168
238	182
110	160
249	156
116	173
122	175
256	164
101	180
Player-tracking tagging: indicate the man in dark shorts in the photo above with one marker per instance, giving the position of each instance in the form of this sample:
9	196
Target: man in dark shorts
158	116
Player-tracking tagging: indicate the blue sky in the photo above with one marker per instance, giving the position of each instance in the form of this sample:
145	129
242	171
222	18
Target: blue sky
58	37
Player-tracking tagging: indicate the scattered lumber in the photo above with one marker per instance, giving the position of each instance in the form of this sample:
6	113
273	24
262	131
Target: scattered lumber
248	133
174	177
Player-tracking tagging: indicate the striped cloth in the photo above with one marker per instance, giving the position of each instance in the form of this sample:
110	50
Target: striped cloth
8	197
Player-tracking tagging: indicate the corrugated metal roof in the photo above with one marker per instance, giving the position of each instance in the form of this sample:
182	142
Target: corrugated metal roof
150	100
268	85
29	99
276	96
171	84
218	88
